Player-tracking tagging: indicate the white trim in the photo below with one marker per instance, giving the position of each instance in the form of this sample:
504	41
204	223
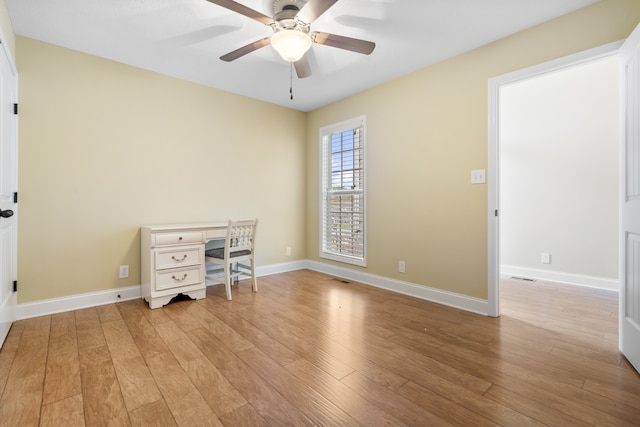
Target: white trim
76	302
493	259
493	203
281	268
326	132
560	277
93	299
464	302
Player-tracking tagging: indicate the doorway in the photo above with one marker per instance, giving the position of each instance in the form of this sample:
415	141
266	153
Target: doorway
542	196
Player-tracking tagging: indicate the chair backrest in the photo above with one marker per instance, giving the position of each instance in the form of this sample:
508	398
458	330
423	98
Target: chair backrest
241	235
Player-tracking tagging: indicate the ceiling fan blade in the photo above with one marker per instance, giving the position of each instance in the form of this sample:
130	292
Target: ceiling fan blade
342	42
303	67
313	10
231	56
243	10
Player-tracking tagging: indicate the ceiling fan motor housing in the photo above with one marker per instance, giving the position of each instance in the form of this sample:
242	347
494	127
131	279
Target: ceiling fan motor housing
286	19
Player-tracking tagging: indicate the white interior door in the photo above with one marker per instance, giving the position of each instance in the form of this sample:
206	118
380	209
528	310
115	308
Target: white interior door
630	183
8	186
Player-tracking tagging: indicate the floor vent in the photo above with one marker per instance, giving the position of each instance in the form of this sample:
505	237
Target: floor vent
526	279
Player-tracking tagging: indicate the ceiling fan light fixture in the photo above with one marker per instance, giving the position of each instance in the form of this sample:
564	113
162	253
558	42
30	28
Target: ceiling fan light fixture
291	44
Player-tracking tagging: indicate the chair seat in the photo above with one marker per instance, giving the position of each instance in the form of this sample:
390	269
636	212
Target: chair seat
219	253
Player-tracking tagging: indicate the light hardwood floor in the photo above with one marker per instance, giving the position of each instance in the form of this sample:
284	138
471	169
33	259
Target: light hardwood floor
308	349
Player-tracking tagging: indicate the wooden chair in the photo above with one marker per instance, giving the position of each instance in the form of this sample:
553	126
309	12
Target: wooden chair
236	257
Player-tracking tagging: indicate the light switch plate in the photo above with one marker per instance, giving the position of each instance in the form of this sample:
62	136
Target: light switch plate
478	176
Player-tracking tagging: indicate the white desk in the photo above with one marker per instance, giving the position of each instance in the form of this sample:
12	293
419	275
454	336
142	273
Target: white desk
172	260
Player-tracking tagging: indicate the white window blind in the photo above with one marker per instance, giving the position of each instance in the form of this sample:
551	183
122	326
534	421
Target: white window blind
343	192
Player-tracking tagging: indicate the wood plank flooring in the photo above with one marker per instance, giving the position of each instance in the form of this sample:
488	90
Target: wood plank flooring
308	349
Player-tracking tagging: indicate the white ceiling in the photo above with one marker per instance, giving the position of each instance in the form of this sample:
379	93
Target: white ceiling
185	38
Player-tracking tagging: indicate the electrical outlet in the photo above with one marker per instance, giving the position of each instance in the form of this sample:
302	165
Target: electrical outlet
288	251
545	258
401	267
124	271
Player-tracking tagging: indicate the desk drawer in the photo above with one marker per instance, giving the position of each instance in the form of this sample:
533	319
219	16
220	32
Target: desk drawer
182	257
184	238
179	277
216	233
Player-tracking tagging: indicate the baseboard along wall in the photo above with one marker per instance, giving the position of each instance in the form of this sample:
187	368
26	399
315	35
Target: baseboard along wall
93	299
560	277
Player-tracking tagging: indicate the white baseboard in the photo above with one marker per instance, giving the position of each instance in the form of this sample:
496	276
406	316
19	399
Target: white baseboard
76	302
93	299
475	305
281	268
560	277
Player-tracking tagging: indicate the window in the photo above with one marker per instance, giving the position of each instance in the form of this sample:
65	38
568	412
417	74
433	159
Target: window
342	216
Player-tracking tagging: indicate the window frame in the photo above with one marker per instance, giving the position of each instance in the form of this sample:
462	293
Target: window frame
324	140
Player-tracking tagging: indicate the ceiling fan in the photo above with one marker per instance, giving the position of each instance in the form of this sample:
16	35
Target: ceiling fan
291	31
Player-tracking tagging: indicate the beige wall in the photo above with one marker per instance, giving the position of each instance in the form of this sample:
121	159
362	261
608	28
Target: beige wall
426	132
106	148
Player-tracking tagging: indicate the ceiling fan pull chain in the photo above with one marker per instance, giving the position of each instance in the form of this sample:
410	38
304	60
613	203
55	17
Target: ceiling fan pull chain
291	79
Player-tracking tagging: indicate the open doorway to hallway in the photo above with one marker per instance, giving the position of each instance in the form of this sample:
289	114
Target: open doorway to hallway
559	174
552	147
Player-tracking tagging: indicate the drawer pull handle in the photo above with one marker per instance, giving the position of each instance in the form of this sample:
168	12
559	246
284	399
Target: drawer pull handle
180	238
179	260
179	280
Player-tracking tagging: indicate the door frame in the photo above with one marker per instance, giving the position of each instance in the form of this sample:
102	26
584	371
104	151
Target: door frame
493	164
8	306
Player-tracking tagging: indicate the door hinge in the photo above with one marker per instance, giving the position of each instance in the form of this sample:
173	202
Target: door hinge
496	212
15	197
15	109
15	286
